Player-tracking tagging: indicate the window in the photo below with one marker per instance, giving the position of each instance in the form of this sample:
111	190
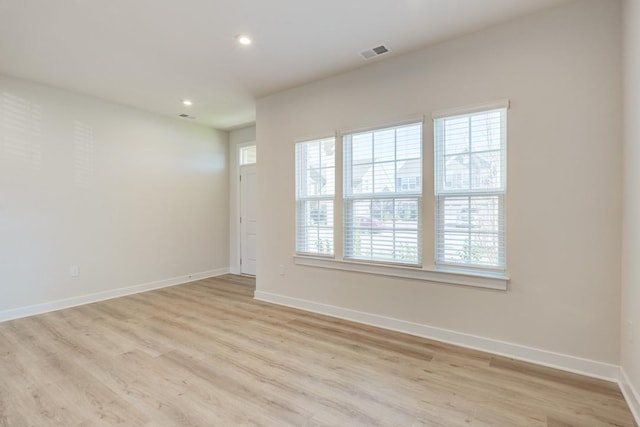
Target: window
470	189
315	190
248	155
380	202
383	195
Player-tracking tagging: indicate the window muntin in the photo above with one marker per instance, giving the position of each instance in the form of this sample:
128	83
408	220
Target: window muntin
470	189
383	195
315	191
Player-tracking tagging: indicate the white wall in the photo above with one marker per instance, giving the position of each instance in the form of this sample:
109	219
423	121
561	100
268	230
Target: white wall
130	197
237	138
561	70
630	319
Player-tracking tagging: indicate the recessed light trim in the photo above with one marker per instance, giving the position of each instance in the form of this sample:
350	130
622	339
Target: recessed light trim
244	40
187	102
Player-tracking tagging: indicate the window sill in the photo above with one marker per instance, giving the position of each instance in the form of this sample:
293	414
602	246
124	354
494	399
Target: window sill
486	280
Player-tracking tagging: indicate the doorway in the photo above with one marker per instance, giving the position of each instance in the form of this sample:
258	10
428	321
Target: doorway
248	221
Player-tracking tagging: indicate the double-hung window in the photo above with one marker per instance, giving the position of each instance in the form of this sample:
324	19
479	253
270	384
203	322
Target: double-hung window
315	190
383	195
470	188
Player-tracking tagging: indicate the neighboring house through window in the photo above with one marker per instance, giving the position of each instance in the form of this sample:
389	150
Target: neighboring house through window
381	199
383	194
470	162
315	191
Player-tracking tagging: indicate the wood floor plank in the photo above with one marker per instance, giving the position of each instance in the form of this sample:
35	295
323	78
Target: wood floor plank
207	354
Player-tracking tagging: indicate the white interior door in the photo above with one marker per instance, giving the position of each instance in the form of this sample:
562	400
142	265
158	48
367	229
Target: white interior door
248	228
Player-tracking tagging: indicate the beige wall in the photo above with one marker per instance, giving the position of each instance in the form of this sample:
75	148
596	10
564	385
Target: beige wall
237	138
630	319
561	71
130	197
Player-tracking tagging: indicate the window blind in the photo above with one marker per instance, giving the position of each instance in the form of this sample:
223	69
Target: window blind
470	189
383	195
315	192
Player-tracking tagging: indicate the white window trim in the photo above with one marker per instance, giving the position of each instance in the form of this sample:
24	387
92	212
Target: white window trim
445	274
406	120
372	195
333	197
487	280
470	109
460	111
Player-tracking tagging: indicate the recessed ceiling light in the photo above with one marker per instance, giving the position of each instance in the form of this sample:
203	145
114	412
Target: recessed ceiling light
244	40
187	102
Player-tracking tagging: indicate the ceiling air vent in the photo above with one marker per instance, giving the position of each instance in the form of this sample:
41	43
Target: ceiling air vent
376	51
186	116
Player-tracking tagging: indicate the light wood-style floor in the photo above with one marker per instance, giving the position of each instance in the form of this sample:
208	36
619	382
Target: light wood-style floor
207	354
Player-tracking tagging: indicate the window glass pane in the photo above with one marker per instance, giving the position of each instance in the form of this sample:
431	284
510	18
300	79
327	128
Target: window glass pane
379	225
486	131
362	148
406	250
473	249
362	213
248	155
456	169
315	227
470	189
456	134
312	155
362	178
316	168
384	177
408	140
455	244
319	181
485	170
327	153
455	213
406	215
328	180
315	187
384	145
409	176
319	212
325	241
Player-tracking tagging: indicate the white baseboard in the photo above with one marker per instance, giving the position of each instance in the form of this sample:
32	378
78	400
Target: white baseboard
31	310
630	394
551	359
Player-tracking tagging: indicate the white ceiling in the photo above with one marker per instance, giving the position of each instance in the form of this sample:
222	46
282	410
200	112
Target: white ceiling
152	53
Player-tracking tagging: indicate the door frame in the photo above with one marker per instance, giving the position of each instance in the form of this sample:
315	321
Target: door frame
244	222
235	235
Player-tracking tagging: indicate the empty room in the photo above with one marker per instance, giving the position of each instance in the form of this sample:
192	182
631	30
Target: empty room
337	213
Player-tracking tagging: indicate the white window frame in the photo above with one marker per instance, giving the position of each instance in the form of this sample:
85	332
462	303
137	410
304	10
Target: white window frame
442	194
242	149
350	198
302	199
431	272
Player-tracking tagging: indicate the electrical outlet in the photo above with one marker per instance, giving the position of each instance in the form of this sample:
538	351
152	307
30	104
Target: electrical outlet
75	271
281	269
630	331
